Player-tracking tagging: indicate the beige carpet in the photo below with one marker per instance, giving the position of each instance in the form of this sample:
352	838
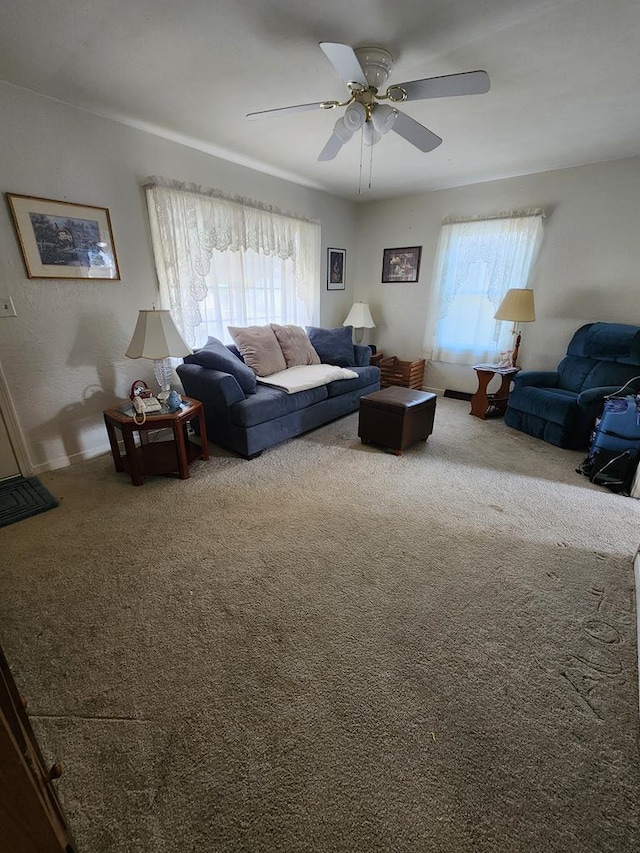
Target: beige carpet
330	648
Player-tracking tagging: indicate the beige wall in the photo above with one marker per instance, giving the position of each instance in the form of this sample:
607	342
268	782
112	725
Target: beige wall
63	355
588	268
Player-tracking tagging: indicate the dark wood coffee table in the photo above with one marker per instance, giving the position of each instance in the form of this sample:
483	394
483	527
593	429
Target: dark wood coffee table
156	457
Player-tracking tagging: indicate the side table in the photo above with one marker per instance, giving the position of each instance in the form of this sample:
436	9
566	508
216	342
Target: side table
484	405
376	358
156	457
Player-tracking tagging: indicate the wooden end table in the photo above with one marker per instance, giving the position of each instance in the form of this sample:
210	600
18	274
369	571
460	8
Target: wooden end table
156	457
484	405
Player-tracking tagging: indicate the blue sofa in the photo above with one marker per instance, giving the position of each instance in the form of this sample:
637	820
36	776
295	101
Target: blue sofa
561	406
247	418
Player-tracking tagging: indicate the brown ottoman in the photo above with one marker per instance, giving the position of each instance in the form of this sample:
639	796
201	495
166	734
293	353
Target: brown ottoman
396	417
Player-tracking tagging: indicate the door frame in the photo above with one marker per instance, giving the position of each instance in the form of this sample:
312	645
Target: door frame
10	417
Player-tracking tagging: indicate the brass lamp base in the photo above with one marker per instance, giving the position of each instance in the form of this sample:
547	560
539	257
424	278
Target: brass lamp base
516	348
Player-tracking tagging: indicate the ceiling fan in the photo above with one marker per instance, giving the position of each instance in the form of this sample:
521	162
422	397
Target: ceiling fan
365	71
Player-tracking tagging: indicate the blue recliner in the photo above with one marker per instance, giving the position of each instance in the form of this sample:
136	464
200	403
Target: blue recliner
561	406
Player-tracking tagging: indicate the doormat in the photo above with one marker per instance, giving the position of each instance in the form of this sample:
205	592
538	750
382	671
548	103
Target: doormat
23	497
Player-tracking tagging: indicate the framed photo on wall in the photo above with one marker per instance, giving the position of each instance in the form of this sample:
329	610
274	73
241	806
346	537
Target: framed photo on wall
62	239
401	264
336	264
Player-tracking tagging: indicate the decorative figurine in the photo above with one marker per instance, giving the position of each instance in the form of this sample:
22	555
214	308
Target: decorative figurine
174	403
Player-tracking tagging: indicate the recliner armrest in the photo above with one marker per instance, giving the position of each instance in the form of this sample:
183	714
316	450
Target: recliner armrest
537	378
596	395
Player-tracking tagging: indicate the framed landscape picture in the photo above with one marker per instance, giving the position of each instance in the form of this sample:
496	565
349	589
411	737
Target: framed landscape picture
62	239
401	264
336	259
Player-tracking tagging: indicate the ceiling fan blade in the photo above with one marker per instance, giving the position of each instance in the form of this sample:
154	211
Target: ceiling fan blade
283	111
331	149
467	83
415	133
344	60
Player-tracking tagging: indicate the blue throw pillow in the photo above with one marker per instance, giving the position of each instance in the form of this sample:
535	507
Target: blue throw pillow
334	346
216	356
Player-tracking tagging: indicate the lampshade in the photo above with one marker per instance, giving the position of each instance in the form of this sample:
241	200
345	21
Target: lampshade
156	337
370	136
383	117
355	116
517	305
342	131
360	316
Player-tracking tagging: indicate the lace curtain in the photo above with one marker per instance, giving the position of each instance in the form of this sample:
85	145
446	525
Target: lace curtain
477	261
225	260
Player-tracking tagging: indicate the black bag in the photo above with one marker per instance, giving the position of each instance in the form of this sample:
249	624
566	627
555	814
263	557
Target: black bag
614	469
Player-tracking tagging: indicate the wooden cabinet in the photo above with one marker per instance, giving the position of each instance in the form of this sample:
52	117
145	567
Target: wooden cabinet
31	819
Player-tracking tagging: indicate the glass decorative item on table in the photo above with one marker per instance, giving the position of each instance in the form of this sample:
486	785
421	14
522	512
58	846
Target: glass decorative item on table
163	371
174	403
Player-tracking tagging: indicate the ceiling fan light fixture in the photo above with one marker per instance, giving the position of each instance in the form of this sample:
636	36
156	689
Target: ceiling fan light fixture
370	135
383	117
355	116
342	131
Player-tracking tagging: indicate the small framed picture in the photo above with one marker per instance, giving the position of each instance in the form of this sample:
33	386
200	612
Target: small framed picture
62	239
336	261
401	264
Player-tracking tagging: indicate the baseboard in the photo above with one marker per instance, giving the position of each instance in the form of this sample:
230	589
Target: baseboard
457	395
67	460
90	453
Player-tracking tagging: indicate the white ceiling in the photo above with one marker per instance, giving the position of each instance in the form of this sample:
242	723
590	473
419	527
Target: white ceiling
565	79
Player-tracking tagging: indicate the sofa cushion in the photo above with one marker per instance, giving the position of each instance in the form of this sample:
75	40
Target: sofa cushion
610	373
551	404
572	372
334	346
259	349
368	375
270	403
295	345
610	340
216	356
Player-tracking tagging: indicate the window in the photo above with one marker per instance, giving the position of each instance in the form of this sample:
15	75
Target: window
230	262
247	288
477	262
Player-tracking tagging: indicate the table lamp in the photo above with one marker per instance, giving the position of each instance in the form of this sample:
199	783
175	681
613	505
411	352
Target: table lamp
517	305
156	337
360	318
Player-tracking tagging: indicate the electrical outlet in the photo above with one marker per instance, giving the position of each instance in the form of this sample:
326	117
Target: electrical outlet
7	308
